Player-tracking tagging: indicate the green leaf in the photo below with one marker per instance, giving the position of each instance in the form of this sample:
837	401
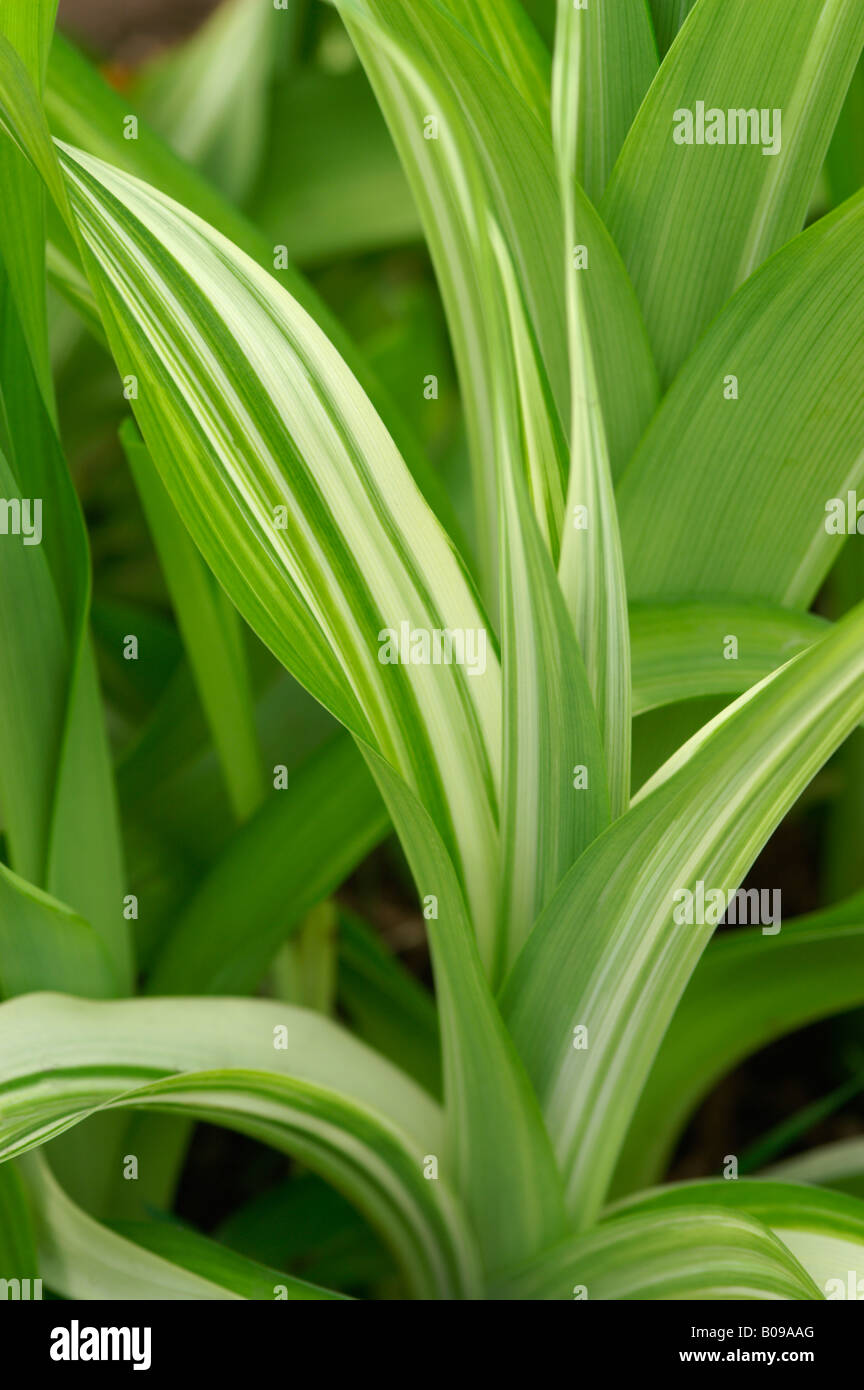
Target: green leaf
212	633
284	1076
488	122
844	163
303	1223
57	786
693	222
82	1259
790	336
84	111
607	59
711	808
550	726
823	1230
499	1127
747	990
207	1258
691	1254
18	1258
504	32
678	649
44	945
297	497
301	845
28	27
331	183
591	567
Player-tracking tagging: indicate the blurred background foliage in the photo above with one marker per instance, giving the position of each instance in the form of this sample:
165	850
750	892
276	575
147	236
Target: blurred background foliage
284	123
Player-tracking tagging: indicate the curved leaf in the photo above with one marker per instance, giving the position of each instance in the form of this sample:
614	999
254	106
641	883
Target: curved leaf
679	650
823	1230
607	955
747	990
309	1089
703	1253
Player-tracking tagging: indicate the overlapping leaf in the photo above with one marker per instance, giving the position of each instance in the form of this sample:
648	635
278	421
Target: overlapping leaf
607	957
285	1076
750	478
697	1252
694	221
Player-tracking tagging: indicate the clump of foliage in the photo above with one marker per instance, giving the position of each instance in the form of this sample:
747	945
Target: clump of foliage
660	378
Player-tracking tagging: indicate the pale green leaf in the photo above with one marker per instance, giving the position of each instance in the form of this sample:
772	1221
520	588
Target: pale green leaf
823	1230
682	1254
284	1076
591	568
496	1127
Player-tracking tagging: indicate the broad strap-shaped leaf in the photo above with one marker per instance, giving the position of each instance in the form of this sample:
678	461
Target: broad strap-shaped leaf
694	220
296	495
223	1267
84	111
606	59
823	1230
302	844
747	990
80	1258
284	1076
494	126
212	633
699	1252
496	1126
57	781
44	945
790	345
607	956
591	567
555	797
681	651
505	33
